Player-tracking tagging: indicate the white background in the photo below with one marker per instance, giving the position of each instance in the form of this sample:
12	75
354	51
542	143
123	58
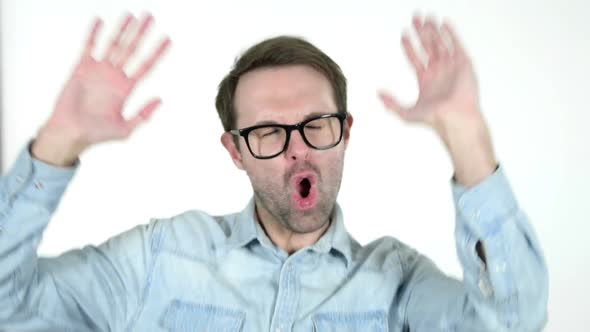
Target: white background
531	58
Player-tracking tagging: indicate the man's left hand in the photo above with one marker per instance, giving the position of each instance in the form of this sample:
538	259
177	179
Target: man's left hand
448	100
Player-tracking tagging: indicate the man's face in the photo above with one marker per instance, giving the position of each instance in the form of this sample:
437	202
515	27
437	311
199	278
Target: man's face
298	188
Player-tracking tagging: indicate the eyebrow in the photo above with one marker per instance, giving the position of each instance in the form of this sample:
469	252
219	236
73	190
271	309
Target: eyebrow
307	117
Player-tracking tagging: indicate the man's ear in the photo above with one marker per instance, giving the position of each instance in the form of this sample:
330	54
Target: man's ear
347	125
227	139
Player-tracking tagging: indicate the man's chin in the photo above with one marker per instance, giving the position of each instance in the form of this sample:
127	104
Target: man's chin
308	221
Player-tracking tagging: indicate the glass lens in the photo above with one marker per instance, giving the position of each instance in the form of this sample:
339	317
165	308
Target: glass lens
323	132
267	141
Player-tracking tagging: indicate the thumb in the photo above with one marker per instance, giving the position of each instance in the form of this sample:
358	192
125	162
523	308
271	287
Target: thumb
391	103
143	115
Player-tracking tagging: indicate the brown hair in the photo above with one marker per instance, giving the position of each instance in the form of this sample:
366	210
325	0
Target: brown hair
278	51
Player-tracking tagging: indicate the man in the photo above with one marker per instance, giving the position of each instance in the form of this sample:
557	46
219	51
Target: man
286	262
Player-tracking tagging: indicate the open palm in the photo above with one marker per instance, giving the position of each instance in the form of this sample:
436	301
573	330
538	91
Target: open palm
90	106
447	82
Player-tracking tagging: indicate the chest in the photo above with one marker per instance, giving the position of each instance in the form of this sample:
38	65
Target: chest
244	292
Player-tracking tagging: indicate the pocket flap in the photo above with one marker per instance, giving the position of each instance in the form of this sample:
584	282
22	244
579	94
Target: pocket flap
369	321
184	316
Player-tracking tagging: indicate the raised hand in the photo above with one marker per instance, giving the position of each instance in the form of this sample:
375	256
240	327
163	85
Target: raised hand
448	100
447	82
89	109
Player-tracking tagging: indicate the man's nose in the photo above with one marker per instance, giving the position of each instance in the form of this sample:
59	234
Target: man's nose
297	149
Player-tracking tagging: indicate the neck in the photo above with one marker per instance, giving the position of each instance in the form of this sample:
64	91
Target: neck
285	238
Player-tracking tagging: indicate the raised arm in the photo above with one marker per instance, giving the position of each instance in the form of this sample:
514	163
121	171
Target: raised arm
504	287
96	288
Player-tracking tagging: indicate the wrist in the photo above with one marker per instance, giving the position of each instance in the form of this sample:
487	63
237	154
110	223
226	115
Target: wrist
471	151
473	170
57	147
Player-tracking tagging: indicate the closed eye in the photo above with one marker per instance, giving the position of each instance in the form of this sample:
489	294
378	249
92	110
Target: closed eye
270	132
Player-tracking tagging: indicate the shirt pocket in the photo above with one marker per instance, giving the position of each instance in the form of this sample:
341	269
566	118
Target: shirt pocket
369	321
183	316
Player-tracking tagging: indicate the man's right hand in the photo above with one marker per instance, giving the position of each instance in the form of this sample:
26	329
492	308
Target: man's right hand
89	108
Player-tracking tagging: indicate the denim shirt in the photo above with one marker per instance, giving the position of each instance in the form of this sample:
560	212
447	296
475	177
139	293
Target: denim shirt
197	272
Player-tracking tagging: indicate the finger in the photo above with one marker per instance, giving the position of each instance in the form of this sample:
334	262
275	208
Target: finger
143	115
440	48
423	35
151	61
393	105
130	50
417	22
441	45
412	55
389	101
430	34
456	47
116	42
91	41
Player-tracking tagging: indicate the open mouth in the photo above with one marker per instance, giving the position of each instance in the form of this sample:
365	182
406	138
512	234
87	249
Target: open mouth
305	193
304	187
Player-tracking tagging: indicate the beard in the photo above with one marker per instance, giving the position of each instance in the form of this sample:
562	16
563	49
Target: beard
275	195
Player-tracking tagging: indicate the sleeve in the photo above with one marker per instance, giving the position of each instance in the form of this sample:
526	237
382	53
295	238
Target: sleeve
90	289
508	292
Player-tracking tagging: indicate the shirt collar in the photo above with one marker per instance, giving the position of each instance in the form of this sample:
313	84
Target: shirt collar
245	229
336	237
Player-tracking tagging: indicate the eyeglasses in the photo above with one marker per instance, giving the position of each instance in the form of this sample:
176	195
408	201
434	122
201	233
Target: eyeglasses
268	141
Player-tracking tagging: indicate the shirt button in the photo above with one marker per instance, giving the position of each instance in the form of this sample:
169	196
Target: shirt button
501	267
461	203
278	330
39	185
485	288
20	179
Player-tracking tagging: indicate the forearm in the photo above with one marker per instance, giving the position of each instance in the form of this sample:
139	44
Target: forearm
508	293
29	196
95	288
469	144
509	290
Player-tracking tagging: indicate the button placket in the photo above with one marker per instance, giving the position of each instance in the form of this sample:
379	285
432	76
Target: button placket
284	310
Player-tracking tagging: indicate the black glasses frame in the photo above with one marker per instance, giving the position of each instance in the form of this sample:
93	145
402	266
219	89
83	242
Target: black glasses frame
244	132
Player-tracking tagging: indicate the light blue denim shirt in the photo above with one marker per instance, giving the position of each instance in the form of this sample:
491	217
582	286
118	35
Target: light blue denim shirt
197	272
